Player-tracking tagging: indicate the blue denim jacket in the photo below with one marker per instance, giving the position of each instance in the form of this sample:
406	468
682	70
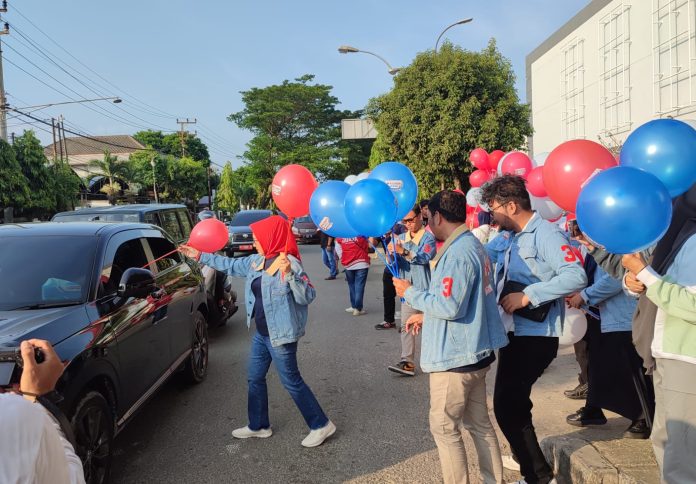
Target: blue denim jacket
615	307
542	258
461	323
285	298
416	267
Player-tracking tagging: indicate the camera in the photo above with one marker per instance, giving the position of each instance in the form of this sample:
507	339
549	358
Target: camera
11	364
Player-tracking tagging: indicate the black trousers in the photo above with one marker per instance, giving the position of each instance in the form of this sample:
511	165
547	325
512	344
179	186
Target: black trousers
520	364
389	296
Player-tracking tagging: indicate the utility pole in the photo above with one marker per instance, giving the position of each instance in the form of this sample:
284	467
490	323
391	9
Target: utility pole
53	128
3	99
65	142
210	193
183	132
154	180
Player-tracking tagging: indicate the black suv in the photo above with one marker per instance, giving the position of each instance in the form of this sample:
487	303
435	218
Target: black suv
123	320
241	240
174	219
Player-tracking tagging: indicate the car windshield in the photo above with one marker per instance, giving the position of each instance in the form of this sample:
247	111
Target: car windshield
304	220
248	218
41	272
101	217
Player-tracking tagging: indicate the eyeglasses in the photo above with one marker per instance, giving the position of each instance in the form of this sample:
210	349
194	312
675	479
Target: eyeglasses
492	209
409	220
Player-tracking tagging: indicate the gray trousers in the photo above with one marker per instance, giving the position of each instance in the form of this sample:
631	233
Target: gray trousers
674	429
408	340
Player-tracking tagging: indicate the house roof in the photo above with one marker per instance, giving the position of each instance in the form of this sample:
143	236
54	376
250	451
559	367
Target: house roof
96	145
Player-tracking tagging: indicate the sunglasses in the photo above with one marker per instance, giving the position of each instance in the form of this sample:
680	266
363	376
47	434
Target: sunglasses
409	220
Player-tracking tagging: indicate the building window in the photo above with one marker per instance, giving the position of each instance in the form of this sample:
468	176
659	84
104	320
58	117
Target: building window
573	89
674	56
614	64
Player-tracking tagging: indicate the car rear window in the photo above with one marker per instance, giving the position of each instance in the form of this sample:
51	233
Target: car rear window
248	218
101	217
44	271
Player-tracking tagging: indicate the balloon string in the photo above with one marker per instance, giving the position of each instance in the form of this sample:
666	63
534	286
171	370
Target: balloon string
394	265
290	234
160	258
384	259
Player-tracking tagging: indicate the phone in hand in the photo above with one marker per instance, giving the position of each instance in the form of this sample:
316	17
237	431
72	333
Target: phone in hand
574	228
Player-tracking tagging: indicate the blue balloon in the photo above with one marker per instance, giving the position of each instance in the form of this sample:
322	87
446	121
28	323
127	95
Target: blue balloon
371	208
403	184
327	209
624	209
667	149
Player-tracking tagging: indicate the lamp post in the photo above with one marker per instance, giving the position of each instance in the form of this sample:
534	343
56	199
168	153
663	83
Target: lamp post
115	100
461	22
347	49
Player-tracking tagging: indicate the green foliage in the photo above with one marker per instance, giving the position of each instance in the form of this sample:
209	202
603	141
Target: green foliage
14	191
170	144
34	164
225	198
186	180
110	168
67	185
444	105
292	122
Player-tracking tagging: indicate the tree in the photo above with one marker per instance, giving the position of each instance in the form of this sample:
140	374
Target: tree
292	122
225	198
67	185
34	164
14	191
109	167
170	144
186	180
444	105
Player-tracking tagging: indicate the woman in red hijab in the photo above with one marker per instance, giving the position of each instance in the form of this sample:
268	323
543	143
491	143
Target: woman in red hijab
277	293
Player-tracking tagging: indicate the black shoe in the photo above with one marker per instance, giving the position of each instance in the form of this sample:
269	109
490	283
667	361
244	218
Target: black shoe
577	393
585	417
637	430
403	367
385	325
330	278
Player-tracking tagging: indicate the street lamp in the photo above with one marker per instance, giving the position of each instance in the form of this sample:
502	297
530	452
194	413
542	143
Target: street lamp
347	49
115	100
154	181
461	22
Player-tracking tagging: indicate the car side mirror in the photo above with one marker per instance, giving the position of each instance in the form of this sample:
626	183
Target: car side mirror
138	283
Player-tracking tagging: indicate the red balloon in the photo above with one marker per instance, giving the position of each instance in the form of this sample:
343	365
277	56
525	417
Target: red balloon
478	178
535	183
569	166
494	158
209	235
517	163
292	188
479	158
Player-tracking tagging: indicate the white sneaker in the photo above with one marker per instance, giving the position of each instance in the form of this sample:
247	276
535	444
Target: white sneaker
359	312
510	463
246	432
318	436
350	310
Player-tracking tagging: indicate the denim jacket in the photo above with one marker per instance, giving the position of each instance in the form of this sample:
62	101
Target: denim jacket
285	298
542	258
415	267
615	307
461	323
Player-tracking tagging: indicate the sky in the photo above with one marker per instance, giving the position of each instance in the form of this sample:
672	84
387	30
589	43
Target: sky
171	59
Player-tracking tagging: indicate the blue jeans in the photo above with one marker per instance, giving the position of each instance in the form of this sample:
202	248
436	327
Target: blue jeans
356	286
329	261
285	359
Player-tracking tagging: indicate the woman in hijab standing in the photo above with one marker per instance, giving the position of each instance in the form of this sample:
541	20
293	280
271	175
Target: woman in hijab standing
277	293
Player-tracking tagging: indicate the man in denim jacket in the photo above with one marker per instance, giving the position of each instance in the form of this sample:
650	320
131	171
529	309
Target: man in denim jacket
461	329
541	258
415	248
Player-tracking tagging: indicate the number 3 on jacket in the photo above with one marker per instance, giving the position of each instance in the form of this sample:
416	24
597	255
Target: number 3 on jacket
447	286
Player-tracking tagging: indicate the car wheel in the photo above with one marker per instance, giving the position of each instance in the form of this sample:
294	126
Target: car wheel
93	424
196	368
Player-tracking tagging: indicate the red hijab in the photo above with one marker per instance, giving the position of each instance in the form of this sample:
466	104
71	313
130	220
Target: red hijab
275	236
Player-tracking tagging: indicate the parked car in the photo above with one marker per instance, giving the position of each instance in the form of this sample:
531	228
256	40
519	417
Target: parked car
241	240
176	221
305	230
122	320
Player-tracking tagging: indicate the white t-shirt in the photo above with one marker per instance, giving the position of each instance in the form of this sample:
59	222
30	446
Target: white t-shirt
32	446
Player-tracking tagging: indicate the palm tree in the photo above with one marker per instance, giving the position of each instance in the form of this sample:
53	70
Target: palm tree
109	168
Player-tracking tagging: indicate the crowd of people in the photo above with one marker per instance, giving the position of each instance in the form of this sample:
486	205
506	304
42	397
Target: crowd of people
475	297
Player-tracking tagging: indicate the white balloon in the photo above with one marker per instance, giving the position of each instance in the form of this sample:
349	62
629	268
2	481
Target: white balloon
574	327
546	208
351	179
540	159
363	175
473	197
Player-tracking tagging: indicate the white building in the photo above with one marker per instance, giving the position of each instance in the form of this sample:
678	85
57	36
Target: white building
614	66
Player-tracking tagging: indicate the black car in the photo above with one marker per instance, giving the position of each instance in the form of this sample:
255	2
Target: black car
174	219
123	320
305	230
241	240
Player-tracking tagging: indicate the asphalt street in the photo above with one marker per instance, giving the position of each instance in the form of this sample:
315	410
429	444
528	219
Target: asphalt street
184	433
